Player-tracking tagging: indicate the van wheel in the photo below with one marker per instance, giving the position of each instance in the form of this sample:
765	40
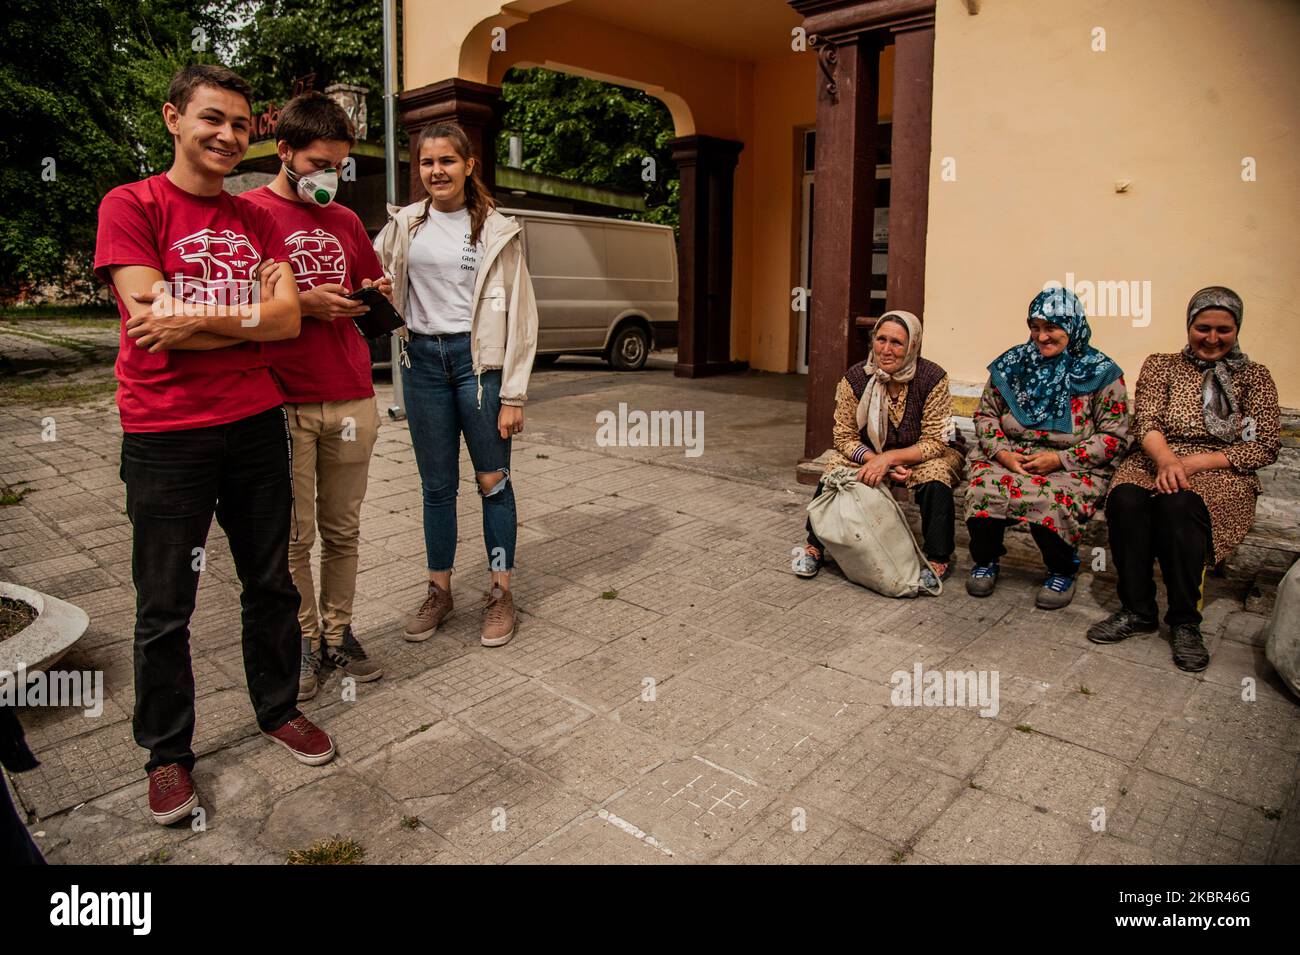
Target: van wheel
630	348
544	361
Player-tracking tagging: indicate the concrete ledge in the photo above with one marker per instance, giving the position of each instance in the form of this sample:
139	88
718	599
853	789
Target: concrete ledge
58	625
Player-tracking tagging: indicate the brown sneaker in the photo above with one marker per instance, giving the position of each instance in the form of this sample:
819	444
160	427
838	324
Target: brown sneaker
435	609
498	618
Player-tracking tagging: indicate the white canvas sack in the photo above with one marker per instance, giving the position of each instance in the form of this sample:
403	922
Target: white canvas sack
865	532
1282	635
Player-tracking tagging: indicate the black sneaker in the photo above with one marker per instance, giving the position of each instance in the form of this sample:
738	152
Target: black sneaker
1189	649
352	660
1120	626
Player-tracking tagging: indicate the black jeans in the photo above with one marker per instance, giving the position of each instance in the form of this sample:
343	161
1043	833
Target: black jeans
934	498
987	533
1171	528
175	482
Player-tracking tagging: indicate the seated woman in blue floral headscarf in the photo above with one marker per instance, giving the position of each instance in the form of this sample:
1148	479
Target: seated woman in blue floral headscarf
1051	423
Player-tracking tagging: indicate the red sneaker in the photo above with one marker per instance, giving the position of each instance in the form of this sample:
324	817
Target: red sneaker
308	742
171	794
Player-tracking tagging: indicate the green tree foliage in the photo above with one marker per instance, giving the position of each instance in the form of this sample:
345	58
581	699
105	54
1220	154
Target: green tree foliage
592	132
81	85
339	41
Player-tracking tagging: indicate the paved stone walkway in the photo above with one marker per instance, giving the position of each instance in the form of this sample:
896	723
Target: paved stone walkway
673	694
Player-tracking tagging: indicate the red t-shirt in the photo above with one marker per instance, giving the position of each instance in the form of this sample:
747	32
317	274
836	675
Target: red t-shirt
328	361
208	249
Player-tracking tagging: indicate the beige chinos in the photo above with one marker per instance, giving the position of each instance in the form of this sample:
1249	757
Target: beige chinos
332	443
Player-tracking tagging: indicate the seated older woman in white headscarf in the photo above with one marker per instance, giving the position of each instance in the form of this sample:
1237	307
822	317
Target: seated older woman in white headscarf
893	422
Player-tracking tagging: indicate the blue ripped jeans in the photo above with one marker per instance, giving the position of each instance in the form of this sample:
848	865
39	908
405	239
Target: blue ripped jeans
442	403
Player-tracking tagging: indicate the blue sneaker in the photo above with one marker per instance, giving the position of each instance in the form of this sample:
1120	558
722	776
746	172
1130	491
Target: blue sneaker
983	578
1057	592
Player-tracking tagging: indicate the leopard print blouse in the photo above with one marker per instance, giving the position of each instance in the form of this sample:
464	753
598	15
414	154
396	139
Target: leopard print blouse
1168	400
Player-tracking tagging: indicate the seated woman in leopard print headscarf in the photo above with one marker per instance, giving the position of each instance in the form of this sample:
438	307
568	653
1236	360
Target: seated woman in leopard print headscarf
1206	419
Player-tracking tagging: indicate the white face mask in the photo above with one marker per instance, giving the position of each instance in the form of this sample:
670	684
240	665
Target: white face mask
318	187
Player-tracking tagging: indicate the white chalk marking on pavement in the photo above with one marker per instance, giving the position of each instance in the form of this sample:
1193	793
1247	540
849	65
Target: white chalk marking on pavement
724	769
633	831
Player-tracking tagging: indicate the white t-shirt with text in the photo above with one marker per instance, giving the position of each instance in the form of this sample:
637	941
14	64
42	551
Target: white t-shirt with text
441	271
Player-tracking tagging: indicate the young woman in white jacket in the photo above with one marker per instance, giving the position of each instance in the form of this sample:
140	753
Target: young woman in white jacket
460	282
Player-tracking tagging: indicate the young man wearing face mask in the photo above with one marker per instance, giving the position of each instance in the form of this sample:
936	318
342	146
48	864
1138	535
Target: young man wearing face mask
325	376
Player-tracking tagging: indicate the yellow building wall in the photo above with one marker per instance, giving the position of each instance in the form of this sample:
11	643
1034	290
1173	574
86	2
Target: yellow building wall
763	103
1040	128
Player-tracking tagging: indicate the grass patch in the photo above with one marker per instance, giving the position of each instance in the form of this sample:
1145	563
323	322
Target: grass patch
15	615
1270	813
608	594
1024	728
11	494
1084	690
72	314
410	822
44	393
333	851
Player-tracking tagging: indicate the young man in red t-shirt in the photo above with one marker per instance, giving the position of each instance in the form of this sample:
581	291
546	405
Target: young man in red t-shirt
201	278
325	376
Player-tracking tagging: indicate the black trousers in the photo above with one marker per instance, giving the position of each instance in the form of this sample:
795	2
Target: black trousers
175	482
934	498
1172	528
16	845
986	544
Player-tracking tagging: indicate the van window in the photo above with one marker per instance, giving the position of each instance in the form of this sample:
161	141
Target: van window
565	250
641	254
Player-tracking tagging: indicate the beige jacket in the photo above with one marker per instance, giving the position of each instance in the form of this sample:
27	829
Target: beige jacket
503	330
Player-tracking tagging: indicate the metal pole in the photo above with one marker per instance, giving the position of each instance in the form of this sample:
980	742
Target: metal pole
391	132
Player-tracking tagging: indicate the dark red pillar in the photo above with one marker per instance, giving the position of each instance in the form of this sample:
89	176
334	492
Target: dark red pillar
707	166
477	107
847	37
909	196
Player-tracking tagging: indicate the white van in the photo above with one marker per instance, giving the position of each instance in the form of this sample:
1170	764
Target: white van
604	287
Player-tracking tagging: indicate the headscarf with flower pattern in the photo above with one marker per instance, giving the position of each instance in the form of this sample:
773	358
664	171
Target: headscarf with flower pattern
1038	390
1218	393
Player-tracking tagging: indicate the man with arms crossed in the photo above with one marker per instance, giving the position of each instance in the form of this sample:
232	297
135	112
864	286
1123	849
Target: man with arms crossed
200	277
325	376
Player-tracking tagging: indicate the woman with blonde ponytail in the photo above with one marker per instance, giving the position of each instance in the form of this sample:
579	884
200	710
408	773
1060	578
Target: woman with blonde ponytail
460	281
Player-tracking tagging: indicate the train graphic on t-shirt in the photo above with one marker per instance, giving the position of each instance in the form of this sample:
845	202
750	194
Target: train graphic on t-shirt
228	261
317	258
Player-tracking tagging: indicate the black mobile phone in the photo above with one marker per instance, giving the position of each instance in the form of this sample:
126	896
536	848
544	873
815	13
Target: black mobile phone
382	317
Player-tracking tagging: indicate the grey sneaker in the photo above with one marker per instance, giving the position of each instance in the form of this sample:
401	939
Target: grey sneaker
983	578
352	660
805	564
435	609
308	671
498	618
1057	592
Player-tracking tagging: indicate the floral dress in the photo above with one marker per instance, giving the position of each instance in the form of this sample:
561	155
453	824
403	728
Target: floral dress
1168	399
1063	500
